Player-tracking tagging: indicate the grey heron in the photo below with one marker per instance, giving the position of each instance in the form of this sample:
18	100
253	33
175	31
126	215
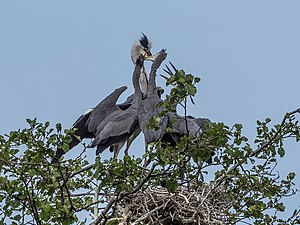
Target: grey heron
86	124
82	126
142	47
183	125
149	107
120	125
187	125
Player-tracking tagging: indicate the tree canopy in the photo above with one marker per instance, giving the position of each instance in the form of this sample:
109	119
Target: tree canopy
177	185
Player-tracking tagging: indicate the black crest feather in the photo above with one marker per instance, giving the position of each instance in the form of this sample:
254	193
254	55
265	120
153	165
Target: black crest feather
144	41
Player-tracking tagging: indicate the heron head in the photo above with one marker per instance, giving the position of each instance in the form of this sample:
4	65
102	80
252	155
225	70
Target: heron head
142	47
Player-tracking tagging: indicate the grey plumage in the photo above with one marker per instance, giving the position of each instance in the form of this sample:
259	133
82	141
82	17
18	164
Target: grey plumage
183	125
188	125
149	106
142	47
112	125
105	108
86	125
120	125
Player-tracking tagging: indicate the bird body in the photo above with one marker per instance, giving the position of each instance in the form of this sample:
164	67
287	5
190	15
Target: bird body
147	111
90	124
188	125
116	130
149	107
86	125
104	109
120	125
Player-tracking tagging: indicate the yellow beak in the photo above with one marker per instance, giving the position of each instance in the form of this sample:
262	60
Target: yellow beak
151	57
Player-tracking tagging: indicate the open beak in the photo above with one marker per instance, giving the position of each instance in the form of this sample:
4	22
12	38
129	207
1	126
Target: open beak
151	57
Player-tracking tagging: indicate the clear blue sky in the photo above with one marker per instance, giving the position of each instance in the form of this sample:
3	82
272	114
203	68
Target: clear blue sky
59	58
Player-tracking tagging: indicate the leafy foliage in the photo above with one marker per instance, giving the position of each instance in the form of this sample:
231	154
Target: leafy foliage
32	188
33	191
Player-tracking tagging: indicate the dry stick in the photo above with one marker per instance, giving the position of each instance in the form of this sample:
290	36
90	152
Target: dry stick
82	170
122	195
148	214
88	206
96	200
89	193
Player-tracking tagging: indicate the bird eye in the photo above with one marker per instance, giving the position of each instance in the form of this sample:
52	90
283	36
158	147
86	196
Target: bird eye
147	51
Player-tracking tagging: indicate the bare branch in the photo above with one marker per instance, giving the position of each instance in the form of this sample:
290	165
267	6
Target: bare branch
103	214
82	170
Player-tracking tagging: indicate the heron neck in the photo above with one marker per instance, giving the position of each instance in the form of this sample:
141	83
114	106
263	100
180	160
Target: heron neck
144	81
136	85
152	80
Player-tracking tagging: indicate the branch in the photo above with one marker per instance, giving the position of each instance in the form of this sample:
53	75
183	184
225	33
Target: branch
96	205
89	193
148	214
259	149
139	186
32	203
65	185
87	206
122	195
82	170
22	163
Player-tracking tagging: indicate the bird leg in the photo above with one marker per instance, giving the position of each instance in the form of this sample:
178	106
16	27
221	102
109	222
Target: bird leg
117	149
147	160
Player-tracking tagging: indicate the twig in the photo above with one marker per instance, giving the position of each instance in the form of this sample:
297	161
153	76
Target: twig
82	170
22	163
87	206
65	185
147	214
258	150
32	203
122	195
96	205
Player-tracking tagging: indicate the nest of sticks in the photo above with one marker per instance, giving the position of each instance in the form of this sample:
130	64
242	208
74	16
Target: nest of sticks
192	205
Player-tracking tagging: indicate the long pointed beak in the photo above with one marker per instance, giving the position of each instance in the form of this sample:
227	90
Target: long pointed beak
151	57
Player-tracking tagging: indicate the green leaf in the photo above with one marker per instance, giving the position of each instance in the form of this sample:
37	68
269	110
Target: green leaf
291	176
192	90
32	123
280	207
65	147
17	217
68	139
197	79
281	152
32	172
113	222
58	127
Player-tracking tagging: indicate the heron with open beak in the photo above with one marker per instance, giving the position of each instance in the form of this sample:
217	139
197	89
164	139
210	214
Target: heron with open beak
142	47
